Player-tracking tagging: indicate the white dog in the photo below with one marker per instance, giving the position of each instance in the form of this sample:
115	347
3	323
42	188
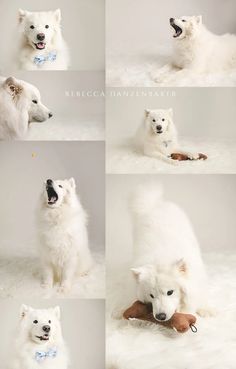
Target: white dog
20	105
41	45
157	136
39	342
167	264
198	50
63	232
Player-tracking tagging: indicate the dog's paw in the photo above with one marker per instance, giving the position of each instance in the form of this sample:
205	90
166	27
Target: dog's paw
46	285
64	289
206	312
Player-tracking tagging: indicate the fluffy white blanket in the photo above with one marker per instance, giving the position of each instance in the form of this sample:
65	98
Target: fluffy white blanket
122	158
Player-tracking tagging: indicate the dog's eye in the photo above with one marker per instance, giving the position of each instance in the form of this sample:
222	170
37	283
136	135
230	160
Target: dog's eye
163	119
183	20
170	292
49	322
32	27
60	186
35	322
151	295
47	26
35	101
154	120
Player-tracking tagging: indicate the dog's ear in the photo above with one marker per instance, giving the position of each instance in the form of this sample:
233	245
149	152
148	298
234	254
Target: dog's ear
181	266
142	272
147	112
199	19
57	312
57	15
72	182
21	15
24	310
13	87
170	112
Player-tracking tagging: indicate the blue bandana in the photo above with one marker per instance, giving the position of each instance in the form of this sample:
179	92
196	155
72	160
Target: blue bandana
40	60
42	355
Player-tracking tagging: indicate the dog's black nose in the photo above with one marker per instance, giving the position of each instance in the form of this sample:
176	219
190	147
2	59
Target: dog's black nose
159	127
40	36
46	328
161	316
172	20
50	115
49	182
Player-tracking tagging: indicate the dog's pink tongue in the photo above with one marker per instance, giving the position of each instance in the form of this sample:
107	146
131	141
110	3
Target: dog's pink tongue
40	45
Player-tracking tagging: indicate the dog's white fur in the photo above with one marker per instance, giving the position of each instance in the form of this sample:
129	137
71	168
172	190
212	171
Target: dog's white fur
166	256
160	143
64	246
197	50
27	342
54	41
20	105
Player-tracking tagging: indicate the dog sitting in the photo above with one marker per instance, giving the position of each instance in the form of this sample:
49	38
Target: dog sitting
157	137
41	45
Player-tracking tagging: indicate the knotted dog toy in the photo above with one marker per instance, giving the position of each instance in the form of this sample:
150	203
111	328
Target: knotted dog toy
42	355
179	322
41	59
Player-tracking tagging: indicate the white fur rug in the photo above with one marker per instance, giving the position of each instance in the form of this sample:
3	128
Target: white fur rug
135	345
122	158
69	130
139	70
20	277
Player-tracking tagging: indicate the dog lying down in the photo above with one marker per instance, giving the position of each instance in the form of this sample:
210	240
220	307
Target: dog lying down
197	50
39	342
157	138
20	105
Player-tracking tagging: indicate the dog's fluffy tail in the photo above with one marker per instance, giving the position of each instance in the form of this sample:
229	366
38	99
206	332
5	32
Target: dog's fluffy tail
145	198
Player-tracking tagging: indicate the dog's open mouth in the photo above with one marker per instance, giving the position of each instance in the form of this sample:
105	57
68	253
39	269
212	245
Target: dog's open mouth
178	30
40	45
52	195
45	337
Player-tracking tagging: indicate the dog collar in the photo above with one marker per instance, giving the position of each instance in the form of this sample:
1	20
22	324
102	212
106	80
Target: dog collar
41	59
166	143
43	355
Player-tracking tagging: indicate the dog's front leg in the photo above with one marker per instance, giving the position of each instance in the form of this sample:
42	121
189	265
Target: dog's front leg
163	73
47	277
68	274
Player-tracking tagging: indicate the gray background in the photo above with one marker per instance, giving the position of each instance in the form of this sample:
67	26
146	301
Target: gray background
83	327
82	25
133	26
53	87
208	200
199	112
22	179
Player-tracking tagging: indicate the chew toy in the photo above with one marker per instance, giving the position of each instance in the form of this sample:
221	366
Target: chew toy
182	157
179	322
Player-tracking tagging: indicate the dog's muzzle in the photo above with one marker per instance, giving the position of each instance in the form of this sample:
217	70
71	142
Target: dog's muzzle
178	30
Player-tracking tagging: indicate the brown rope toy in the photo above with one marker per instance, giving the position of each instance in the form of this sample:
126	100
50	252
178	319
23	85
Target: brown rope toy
183	157
179	322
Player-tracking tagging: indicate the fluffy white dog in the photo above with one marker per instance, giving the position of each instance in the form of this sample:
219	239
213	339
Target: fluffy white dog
198	50
20	105
41	45
63	233
39	342
167	265
157	136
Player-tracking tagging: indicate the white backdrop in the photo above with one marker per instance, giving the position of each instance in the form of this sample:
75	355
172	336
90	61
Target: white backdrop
198	112
134	26
83	328
82	26
209	201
